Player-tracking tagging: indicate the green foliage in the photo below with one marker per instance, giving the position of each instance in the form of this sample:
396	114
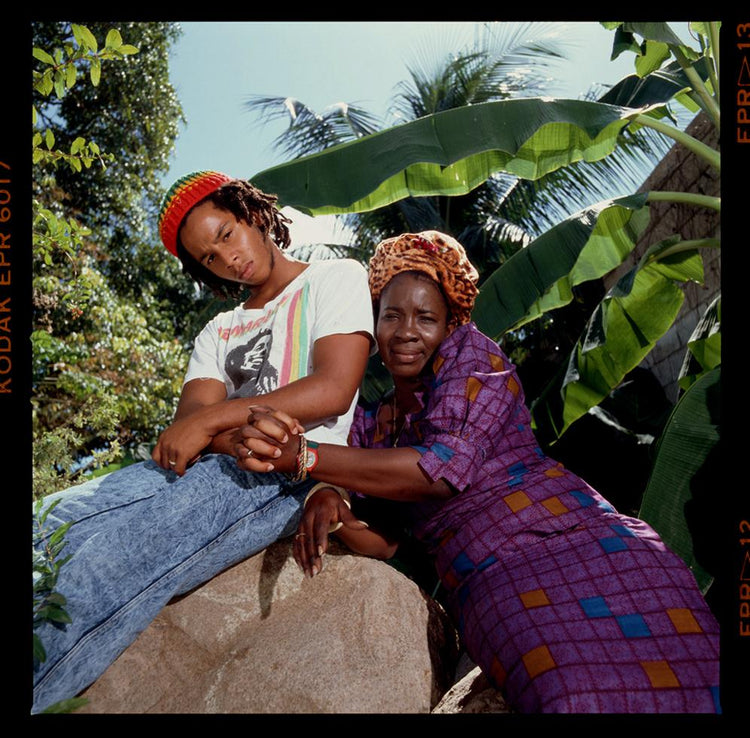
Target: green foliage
59	74
704	347
680	498
48	605
56	452
109	309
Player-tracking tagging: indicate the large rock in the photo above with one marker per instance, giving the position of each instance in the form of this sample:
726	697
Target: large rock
260	638
471	694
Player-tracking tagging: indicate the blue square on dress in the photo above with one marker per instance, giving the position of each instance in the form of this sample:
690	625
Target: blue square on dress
595	607
610	545
516	472
486	562
715	694
584	500
442	451
622	530
633	626
462	564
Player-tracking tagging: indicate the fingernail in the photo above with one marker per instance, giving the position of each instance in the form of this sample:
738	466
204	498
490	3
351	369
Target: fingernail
277	452
320	550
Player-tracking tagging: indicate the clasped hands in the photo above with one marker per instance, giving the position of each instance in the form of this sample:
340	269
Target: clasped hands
270	442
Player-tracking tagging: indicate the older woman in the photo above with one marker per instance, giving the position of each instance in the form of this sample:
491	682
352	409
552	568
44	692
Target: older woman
565	604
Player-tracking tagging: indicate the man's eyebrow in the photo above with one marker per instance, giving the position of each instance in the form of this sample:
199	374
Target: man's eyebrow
222	227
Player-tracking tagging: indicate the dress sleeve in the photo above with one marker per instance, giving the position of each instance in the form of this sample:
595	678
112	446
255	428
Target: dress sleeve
475	395
357	434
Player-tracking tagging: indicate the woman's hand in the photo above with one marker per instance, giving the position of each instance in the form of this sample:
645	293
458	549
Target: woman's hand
324	512
269	442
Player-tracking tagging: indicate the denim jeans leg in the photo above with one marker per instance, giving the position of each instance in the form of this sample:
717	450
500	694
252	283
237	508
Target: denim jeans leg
151	535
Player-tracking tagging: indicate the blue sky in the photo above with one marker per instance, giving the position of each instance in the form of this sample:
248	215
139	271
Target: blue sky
216	65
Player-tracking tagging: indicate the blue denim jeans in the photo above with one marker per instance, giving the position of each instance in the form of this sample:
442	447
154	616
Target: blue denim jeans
141	536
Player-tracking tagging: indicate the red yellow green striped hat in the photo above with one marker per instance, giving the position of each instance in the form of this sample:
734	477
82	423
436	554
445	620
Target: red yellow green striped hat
182	195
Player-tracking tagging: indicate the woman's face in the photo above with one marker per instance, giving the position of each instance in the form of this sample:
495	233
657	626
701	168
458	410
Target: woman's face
412	322
229	248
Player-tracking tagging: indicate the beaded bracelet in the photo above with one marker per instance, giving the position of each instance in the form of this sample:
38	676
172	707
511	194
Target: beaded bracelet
301	474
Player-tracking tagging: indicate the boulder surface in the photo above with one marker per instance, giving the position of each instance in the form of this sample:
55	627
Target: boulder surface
360	637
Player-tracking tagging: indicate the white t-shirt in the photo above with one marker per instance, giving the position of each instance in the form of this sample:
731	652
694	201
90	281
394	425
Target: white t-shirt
255	351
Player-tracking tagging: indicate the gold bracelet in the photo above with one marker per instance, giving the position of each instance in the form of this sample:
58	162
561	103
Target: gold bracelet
340	490
301	474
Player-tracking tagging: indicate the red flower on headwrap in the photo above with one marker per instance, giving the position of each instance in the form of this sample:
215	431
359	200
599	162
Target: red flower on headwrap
423	243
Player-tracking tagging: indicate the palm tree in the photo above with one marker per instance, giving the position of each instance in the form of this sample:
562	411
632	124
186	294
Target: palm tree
505	60
503	214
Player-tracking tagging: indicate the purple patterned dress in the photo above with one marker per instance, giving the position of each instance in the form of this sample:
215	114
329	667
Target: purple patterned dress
566	605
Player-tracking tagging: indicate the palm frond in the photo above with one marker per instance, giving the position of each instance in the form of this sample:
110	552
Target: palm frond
309	131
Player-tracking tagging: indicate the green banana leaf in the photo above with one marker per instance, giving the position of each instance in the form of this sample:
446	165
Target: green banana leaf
680	494
654	31
540	277
660	86
448	153
704	346
623	329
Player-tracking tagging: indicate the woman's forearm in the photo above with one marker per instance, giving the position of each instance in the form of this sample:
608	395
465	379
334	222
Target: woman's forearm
368	542
391	473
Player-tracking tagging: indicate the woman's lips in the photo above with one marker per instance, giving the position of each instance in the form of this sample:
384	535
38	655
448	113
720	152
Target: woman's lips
405	357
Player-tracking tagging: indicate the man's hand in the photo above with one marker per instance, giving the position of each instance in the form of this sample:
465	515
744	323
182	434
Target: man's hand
269	441
181	444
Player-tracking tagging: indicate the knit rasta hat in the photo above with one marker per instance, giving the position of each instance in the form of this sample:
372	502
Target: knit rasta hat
435	254
181	197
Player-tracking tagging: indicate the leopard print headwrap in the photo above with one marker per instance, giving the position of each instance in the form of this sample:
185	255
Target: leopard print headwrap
437	255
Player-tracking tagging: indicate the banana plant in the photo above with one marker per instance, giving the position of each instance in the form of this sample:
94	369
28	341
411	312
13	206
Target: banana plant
452	152
679	499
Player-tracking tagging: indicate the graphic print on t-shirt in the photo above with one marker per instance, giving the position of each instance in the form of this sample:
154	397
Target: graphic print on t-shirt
248	364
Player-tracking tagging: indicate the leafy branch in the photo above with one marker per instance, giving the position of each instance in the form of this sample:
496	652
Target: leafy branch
59	75
48	605
62	64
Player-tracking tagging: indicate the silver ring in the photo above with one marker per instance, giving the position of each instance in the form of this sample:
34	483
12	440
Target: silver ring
249	452
172	463
301	535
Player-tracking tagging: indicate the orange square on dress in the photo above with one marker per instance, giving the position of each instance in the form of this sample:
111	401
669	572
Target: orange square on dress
538	660
555	506
517	501
683	620
534	598
660	674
